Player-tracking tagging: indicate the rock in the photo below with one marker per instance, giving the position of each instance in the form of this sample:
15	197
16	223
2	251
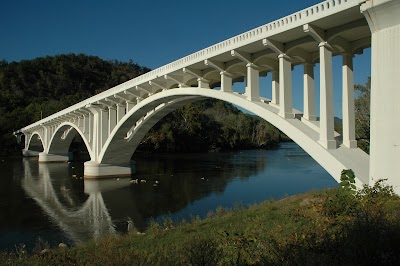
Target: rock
62	245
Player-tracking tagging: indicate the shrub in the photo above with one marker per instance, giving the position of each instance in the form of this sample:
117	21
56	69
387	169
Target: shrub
203	252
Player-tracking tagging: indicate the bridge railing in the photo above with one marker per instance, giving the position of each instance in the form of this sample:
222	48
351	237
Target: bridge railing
291	21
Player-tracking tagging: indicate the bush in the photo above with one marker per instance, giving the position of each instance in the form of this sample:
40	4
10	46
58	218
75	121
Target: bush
203	252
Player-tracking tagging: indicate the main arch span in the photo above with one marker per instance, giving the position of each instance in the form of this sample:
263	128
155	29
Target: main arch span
124	139
119	117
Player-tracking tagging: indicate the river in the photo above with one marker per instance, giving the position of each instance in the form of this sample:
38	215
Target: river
52	202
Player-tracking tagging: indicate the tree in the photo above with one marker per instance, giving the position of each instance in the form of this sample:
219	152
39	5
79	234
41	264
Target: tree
362	114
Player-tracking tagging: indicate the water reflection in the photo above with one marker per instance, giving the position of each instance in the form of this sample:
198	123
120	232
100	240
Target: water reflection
80	220
85	209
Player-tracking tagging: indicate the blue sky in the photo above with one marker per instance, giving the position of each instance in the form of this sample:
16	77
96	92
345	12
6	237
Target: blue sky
151	33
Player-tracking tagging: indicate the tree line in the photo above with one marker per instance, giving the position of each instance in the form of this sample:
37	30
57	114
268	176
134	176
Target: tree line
32	89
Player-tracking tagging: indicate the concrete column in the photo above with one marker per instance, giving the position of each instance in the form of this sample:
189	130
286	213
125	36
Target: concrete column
203	83
112	119
94	133
349	131
384	21
309	92
285	86
253	82
27	138
103	128
85	130
326	132
120	112
129	105
46	136
226	81
275	87
90	122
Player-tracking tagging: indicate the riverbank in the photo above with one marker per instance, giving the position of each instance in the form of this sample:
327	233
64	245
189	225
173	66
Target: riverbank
327	227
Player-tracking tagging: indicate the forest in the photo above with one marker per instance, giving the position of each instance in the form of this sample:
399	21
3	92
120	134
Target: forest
31	89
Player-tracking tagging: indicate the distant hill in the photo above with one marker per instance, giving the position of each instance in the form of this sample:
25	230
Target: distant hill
40	87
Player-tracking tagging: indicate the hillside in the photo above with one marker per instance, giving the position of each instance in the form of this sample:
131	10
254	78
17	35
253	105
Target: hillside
37	88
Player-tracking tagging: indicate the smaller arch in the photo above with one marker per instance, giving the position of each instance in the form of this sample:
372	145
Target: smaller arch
58	146
156	91
35	142
290	46
237	69
212	75
173	86
267	63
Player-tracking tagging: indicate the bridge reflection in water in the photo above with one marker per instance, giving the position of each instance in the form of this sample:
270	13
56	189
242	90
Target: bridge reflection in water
110	206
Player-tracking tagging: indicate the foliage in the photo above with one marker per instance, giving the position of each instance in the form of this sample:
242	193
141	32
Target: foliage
37	88
209	125
347	181
203	252
362	114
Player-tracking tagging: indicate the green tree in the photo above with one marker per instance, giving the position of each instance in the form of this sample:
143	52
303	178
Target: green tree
362	114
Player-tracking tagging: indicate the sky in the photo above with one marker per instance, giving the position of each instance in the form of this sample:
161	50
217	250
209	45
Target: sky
152	33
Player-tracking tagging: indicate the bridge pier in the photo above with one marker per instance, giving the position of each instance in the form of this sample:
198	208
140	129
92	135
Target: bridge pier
52	158
384	21
29	153
97	170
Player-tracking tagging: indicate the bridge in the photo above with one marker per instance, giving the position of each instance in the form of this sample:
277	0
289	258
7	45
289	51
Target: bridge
113	122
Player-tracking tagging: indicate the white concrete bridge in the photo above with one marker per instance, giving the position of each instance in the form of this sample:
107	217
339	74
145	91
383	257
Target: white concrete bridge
113	123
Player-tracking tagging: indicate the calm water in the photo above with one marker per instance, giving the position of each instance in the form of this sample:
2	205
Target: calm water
52	202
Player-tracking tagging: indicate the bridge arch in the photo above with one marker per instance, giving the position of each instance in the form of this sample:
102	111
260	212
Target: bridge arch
119	148
62	138
35	140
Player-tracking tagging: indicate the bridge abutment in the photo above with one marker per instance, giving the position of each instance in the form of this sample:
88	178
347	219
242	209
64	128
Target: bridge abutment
384	21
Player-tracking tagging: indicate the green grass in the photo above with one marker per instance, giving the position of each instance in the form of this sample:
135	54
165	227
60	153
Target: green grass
332	227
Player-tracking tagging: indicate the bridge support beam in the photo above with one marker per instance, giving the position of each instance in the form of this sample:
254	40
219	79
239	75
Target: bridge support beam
226	81
129	105
120	111
326	134
384	21
285	86
349	132
253	82
275	87
103	127
112	119
203	83
96	170
309	94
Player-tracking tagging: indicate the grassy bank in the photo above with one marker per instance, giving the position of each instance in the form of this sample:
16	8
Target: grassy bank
332	227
